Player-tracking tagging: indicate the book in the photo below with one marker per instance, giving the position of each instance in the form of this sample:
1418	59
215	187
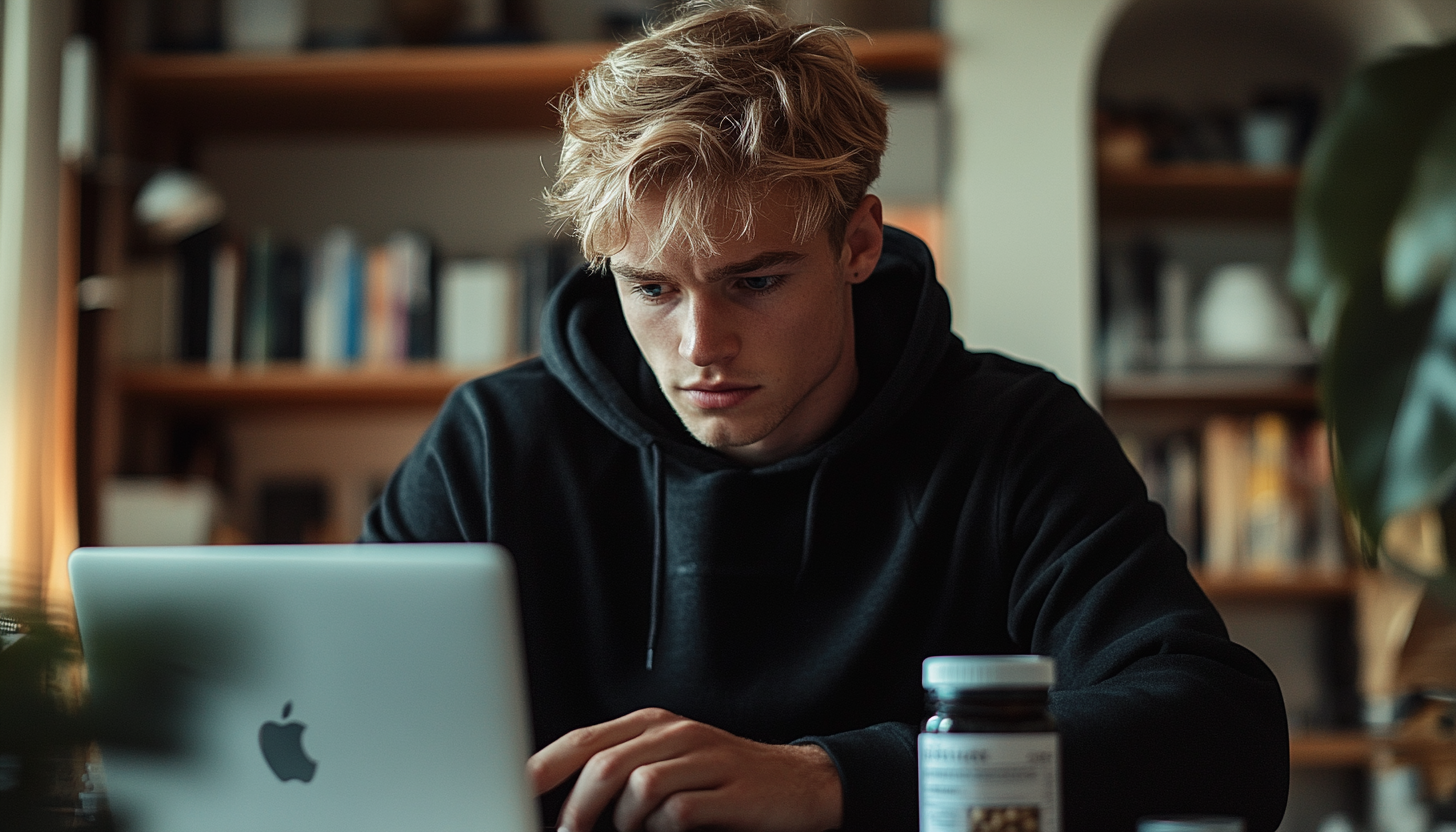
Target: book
148	319
1182	494
382	335
1326	524
356	299
543	264
417	284
223	325
258	284
194	270
1273	525
327	306
478	312
1226	462
285	296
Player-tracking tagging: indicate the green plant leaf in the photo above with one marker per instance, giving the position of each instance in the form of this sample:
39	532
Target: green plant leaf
1422	247
1357	175
1388	375
1420	465
1363	384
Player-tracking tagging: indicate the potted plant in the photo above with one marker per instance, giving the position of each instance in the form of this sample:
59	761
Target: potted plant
1374	265
44	730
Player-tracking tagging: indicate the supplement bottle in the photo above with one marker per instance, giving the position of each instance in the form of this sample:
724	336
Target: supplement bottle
989	755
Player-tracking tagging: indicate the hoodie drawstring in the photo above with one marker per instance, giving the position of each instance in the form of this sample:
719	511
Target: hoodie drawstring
809	524
659	542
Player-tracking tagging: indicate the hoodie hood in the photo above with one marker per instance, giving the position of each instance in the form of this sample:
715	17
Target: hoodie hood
902	332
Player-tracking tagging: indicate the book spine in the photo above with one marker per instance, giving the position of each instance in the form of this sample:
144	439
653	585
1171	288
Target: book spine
355	304
478	312
222	348
256	338
194	266
1272	525
285	327
321	307
379	326
414	261
1327	552
1226	443
1182	504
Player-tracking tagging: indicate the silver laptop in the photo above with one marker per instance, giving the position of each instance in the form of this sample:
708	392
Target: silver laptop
309	688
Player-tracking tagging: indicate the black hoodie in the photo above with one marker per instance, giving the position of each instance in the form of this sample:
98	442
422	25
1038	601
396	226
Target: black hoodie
964	504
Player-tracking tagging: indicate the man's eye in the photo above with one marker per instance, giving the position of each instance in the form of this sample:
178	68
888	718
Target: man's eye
761	283
651	290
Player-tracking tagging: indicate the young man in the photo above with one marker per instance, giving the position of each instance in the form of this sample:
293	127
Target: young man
754	480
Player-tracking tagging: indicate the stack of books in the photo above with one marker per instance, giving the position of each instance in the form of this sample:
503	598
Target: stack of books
339	303
1247	494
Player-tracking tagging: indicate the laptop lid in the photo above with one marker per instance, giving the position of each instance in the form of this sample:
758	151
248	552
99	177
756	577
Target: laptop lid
313	688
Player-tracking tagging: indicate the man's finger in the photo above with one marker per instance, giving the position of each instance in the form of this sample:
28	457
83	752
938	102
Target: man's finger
693	810
650	785
549	767
605	775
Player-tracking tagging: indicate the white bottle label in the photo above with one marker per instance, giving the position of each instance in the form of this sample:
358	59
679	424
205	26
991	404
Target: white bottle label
990	783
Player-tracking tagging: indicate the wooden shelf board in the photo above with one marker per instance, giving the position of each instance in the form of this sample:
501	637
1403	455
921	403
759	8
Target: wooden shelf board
1216	390
1330	749
1348	749
491	87
1232	192
201	387
1298	585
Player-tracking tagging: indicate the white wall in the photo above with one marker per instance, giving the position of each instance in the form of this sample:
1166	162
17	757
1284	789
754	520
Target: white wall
1018	88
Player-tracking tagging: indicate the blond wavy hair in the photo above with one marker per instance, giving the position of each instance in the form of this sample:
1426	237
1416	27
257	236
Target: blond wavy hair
712	111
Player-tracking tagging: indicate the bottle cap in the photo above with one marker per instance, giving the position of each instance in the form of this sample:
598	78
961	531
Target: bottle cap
982	672
1192	823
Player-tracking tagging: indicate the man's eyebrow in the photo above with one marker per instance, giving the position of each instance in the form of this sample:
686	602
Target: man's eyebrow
753	264
761	261
622	270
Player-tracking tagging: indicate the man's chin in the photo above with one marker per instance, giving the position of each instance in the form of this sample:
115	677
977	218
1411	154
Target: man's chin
721	436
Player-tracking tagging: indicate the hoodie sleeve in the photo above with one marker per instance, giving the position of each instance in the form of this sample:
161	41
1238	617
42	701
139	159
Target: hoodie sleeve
878	773
437	494
1159	711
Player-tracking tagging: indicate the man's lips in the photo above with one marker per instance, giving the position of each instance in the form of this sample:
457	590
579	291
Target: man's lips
718	396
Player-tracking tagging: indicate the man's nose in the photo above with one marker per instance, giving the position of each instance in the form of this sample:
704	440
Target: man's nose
709	336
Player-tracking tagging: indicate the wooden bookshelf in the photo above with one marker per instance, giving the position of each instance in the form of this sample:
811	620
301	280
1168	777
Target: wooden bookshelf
1201	192
199	387
1305	584
424	88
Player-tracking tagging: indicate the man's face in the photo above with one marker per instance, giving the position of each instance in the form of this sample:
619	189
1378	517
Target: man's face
754	346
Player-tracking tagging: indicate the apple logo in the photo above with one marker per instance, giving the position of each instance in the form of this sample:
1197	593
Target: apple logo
282	745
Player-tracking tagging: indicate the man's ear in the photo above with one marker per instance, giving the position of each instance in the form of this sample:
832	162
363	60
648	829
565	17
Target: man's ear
864	237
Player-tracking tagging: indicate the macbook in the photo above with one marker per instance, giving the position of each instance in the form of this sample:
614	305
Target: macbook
308	688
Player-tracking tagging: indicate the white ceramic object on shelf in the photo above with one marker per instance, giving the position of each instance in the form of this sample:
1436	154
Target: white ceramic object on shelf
175	204
1268	138
263	25
1241	318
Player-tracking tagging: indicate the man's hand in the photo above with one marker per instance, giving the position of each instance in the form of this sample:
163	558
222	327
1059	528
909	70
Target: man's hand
671	774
